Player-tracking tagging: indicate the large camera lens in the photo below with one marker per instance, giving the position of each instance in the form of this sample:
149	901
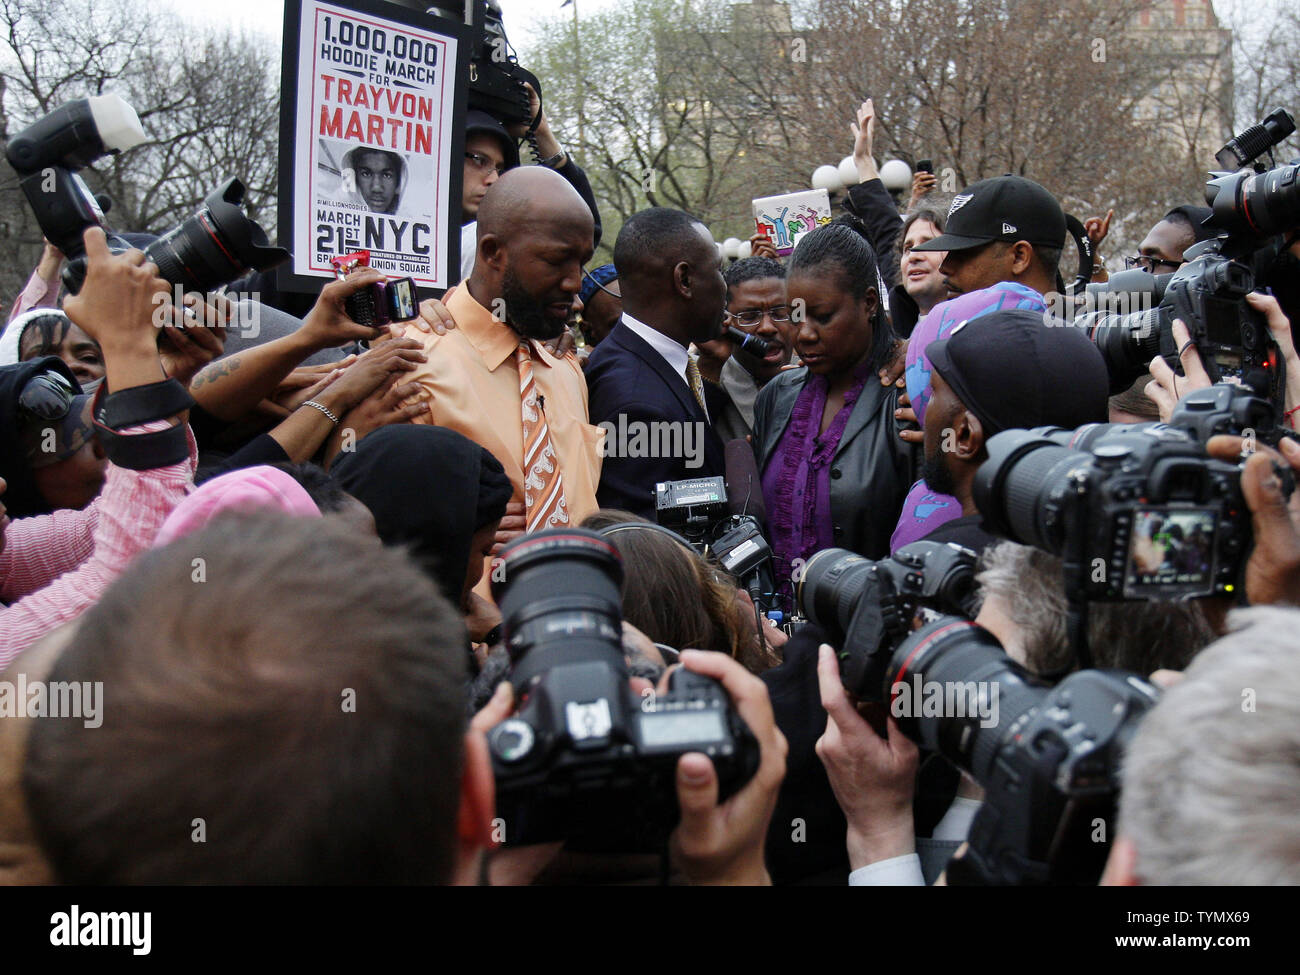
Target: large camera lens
1049	759
829	588
560	602
1019	489
1127	342
1260	203
844	594
214	246
982	692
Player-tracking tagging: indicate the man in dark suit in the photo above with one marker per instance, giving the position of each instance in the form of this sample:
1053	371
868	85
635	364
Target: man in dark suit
643	385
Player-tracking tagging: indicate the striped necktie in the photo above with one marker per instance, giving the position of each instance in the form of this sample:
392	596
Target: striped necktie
696	383
543	484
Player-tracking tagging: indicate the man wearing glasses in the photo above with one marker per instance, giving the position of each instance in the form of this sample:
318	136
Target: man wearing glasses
1161	251
490	150
755	304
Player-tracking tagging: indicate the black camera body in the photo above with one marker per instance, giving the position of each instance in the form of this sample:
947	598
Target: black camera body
1208	293
1135	511
211	248
48	154
584	758
867	607
1049	764
1226	408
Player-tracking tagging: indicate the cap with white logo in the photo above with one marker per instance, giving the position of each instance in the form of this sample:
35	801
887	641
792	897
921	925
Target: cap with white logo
1008	208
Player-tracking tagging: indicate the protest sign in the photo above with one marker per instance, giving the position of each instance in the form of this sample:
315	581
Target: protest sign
787	217
372	140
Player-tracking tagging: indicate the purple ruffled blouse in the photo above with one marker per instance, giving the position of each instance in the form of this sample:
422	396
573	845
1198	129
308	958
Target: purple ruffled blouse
796	483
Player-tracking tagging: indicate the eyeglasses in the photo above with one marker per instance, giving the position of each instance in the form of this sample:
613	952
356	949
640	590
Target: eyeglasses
752	316
1150	264
483	164
48	396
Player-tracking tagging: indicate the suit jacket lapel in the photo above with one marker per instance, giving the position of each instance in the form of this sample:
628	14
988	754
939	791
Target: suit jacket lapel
629	340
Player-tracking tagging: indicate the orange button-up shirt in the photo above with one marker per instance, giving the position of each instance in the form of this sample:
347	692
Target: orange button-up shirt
473	381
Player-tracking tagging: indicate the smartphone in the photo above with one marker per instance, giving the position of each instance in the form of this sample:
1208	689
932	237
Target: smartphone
383	303
924	166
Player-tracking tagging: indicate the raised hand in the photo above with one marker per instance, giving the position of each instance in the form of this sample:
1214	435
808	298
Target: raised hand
864	133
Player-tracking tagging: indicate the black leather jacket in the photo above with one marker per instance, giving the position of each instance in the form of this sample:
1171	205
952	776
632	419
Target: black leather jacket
871	471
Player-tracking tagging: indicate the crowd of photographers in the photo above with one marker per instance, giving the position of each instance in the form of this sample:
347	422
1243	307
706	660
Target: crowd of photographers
897	560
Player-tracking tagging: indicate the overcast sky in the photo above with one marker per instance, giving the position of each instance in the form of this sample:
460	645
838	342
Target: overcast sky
266	16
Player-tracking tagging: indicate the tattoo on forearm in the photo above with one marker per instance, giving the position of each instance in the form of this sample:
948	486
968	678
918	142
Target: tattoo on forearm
214	371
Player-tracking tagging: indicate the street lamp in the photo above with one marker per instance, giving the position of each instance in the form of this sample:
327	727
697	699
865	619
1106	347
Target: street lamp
848	170
896	175
827	178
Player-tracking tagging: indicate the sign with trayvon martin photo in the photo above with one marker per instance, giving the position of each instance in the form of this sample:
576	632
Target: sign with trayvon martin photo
372	140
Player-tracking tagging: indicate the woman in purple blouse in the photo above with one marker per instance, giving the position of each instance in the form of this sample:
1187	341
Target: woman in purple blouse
834	471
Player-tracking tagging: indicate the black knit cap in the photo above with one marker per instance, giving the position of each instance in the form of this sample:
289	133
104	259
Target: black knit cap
1016	369
430	489
479	122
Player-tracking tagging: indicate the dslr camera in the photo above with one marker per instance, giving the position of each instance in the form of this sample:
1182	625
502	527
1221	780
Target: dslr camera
1135	511
211	248
1208	292
1049	764
584	758
867	608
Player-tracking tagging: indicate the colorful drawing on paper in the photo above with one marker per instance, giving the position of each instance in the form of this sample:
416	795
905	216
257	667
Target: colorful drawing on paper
786	218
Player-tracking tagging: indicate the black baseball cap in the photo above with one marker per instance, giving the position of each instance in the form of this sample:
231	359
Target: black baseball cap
1009	208
479	122
1016	368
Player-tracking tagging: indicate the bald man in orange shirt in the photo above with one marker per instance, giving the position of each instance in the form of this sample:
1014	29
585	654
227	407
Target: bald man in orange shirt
491	378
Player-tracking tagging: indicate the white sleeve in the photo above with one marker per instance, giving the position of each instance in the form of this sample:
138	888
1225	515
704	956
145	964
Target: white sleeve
904	871
468	249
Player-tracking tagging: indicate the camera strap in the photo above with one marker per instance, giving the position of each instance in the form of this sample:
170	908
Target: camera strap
141	404
143	451
1084	243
